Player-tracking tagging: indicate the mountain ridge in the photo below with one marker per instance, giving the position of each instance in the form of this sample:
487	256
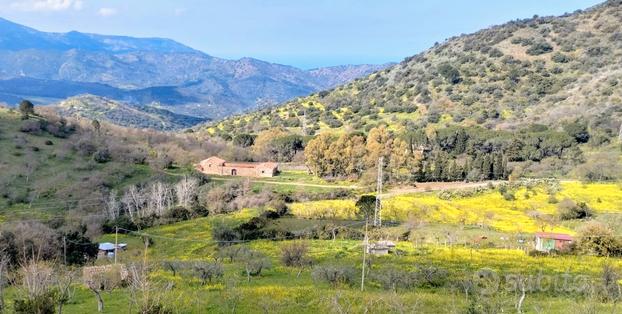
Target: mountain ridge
206	86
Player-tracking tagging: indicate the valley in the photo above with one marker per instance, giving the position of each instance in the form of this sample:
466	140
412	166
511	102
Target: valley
482	175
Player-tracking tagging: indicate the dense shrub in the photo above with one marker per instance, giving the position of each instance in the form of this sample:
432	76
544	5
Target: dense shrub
539	48
598	239
225	235
179	213
393	278
335	275
567	210
207	272
431	276
295	255
40	304
102	156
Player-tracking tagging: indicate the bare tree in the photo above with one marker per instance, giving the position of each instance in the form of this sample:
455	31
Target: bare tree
207	272
295	255
104	280
254	263
134	202
37	281
64	286
186	191
4	264
160	198
113	206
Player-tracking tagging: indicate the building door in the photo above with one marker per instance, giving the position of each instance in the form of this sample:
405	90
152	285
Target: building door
234	172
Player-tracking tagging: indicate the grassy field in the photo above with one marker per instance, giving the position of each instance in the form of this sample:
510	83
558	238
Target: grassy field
489	209
279	290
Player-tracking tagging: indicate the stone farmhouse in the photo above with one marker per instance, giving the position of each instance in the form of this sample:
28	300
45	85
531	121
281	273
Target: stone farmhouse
218	166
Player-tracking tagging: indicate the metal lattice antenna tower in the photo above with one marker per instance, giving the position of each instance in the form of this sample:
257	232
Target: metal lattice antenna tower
377	211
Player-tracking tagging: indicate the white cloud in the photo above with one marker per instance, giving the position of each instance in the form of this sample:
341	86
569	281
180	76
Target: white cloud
105	12
47	5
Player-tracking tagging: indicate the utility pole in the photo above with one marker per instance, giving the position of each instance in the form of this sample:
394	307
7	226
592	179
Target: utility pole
116	242
620	133
377	214
304	121
65	250
365	244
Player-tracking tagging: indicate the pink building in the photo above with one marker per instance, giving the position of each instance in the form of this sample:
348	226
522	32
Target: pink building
218	166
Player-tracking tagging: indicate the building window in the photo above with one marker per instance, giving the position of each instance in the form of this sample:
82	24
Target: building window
234	172
263	171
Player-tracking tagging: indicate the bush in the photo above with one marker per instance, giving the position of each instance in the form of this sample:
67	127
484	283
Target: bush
295	255
431	276
207	272
450	73
560	58
539	48
179	213
254	263
123	222
394	278
224	234
568	210
85	147
102	156
31	126
536	253
41	304
509	196
334	275
598	239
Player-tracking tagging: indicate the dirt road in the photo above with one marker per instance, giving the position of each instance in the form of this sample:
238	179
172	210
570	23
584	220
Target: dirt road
436	186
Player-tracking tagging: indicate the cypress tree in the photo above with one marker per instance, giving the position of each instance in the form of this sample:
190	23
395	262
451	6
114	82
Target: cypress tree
419	174
497	167
428	171
487	167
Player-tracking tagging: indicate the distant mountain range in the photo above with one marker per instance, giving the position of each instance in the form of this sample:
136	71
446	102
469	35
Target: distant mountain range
48	67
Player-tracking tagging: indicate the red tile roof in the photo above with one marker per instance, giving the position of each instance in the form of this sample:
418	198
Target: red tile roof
554	236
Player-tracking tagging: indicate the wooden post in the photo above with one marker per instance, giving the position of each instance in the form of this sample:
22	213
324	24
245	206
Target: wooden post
365	241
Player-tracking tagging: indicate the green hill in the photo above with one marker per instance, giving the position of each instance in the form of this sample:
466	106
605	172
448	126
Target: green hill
51	166
101	108
546	70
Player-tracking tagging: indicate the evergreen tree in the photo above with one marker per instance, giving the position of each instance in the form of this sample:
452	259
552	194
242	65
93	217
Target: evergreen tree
419	174
26	108
427	170
506	171
456	173
486	167
461	141
497	167
437	172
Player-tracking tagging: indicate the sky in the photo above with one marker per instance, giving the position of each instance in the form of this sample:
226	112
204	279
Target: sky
302	33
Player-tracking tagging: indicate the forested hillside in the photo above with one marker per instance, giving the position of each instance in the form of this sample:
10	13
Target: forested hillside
546	70
544	93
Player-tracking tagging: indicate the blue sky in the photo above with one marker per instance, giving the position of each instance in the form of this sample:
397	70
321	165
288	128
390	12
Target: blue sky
303	33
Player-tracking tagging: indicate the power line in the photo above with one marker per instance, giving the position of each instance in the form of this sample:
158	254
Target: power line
141	233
